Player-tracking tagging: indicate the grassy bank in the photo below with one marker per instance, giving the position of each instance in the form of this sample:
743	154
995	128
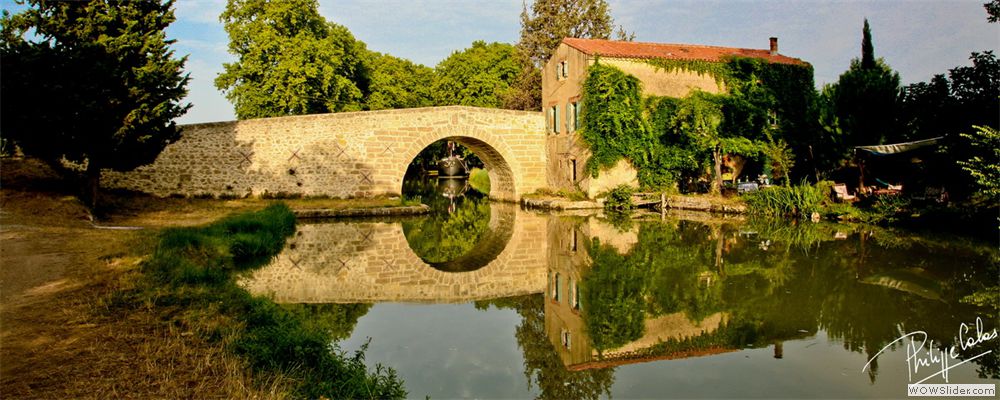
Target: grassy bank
192	272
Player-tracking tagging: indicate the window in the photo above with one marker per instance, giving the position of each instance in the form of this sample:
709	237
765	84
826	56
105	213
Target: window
562	70
555	287
572	246
555	119
574	295
572	169
565	336
576	116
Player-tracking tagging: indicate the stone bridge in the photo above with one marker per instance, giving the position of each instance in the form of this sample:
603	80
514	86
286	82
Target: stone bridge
354	154
362	262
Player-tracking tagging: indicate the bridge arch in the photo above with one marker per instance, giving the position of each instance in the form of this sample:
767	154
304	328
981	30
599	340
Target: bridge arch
502	177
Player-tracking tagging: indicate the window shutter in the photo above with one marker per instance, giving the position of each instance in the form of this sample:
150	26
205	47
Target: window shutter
569	117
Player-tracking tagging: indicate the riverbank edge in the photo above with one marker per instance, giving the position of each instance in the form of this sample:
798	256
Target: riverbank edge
555	203
322	213
706	204
674	202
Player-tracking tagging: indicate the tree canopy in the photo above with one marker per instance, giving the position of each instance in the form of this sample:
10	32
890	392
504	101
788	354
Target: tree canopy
396	83
479	76
92	82
290	60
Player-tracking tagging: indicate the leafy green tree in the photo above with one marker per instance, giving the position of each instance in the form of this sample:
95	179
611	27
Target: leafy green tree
866	98
92	82
290	60
976	89
927	109
479	76
984	164
396	83
543	28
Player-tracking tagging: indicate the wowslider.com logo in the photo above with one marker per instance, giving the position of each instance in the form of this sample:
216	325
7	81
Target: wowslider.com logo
951	389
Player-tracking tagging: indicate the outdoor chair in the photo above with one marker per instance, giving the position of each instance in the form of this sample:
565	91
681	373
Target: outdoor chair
840	191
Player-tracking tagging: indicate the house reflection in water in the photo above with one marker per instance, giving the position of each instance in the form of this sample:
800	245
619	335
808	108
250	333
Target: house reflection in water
569	264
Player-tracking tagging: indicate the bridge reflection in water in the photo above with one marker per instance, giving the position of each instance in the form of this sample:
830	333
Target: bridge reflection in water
365	262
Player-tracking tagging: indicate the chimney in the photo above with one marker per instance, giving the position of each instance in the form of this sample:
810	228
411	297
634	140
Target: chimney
774	46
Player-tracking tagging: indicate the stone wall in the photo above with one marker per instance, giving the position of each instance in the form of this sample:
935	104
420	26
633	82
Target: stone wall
341	155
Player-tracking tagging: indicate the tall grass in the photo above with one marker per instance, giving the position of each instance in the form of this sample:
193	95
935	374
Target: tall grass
786	201
192	268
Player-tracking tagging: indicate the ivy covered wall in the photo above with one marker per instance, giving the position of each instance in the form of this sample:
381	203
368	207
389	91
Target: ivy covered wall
767	113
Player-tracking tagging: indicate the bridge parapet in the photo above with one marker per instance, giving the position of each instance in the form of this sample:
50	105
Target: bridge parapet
356	154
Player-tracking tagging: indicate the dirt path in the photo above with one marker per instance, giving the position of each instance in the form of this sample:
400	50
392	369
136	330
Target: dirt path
59	338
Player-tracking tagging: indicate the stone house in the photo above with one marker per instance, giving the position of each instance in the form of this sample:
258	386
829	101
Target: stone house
562	79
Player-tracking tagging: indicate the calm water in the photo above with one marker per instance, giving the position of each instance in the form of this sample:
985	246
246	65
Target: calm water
487	300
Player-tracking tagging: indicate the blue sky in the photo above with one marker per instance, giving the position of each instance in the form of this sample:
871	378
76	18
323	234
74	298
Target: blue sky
917	38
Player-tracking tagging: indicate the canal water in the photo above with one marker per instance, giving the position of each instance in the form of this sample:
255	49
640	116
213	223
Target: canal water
486	300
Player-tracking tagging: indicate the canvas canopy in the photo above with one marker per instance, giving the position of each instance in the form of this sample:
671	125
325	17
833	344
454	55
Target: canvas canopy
886	149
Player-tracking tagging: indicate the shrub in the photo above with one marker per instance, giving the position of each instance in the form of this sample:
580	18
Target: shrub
619	199
786	201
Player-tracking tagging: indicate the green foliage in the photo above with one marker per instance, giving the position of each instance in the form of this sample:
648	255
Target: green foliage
719	71
786	201
684	137
194	266
613	298
613	124
479	179
969	95
619	199
479	76
394	82
91	81
984	164
867	49
443	237
289	60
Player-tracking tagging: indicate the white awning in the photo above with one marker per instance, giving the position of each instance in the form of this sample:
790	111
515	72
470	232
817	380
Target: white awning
884	149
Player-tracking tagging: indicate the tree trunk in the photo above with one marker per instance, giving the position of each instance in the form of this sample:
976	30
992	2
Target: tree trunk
716	171
92	184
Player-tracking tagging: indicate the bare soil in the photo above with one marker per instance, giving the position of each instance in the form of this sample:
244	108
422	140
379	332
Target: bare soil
58	275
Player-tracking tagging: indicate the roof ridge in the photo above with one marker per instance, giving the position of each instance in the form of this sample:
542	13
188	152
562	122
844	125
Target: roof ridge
625	49
707	46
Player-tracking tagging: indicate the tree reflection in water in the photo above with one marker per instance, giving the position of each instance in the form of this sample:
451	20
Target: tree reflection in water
459	218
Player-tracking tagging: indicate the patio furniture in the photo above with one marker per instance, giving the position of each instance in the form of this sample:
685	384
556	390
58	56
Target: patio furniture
840	191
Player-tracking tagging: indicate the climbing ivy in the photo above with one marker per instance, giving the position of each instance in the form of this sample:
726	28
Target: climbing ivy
613	123
768	108
717	70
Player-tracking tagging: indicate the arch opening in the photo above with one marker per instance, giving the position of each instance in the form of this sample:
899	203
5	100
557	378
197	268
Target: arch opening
501	176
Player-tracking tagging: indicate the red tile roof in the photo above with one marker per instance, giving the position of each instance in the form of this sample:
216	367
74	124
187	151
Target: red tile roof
619	49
